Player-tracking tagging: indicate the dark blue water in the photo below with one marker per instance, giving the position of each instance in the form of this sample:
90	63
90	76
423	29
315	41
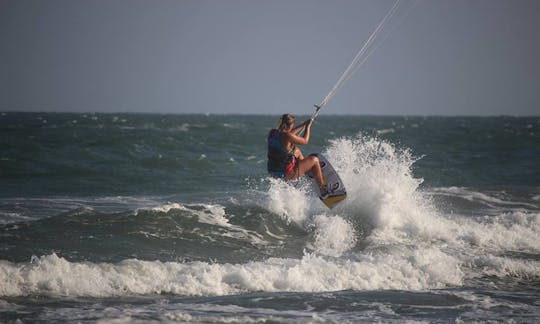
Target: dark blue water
173	218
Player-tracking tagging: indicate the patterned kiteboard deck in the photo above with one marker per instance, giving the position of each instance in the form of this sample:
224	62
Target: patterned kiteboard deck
336	187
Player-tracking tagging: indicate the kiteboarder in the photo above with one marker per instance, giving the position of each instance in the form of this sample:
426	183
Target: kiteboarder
285	160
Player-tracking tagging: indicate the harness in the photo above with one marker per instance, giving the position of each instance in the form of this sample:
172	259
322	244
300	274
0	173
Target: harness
281	161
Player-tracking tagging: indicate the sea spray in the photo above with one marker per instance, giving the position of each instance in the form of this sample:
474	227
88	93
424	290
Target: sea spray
384	202
333	235
289	202
378	178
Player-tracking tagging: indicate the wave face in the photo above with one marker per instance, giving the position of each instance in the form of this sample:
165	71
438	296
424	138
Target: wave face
247	246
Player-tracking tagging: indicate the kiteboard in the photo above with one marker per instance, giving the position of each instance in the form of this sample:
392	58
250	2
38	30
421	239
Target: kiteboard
336	188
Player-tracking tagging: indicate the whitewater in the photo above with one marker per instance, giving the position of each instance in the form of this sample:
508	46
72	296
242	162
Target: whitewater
198	244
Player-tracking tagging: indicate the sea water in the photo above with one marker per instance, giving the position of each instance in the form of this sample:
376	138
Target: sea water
172	218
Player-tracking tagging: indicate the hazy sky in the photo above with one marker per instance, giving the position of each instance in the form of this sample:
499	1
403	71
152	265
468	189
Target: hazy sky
448	57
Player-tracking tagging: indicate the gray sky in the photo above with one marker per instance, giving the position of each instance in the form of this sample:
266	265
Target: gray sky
448	57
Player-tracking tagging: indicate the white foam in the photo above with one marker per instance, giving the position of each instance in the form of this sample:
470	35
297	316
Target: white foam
290	203
184	127
206	213
206	318
209	313
385	131
506	232
491	265
10	217
210	214
379	181
297	203
233	126
414	269
333	235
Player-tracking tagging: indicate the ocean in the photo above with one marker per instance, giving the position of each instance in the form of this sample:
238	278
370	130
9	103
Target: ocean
126	218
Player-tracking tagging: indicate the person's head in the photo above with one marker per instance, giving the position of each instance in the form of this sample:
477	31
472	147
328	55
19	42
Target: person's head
286	122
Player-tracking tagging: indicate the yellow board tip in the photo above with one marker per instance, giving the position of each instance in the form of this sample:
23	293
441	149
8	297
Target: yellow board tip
330	201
